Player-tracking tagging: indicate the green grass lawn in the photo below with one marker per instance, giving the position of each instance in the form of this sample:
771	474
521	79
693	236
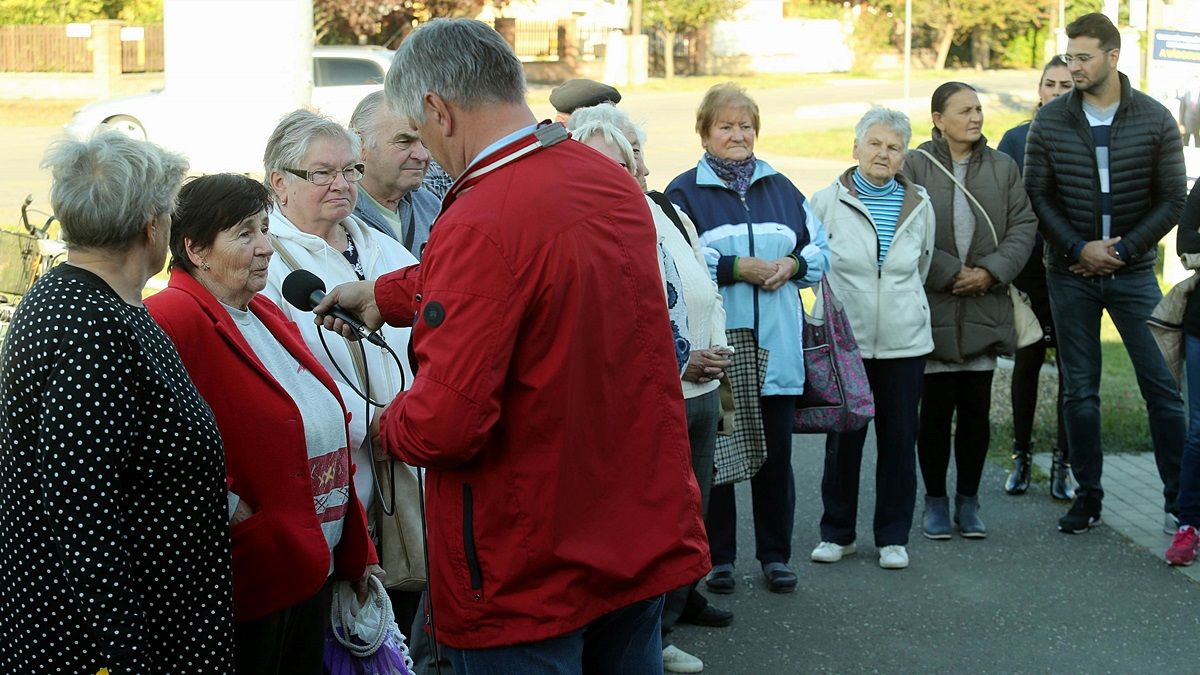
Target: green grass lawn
1123	423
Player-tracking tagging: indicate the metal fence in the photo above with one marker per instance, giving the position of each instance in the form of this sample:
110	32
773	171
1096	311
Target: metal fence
538	40
32	49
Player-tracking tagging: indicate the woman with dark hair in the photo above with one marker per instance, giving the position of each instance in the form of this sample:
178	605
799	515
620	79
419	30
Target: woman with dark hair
116	545
295	519
1027	362
985	228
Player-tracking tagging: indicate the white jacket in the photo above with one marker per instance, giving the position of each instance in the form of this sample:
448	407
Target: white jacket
886	304
705	311
379	255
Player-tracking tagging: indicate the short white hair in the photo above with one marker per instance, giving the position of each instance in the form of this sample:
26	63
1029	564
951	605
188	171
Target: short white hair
288	144
607	112
366	118
613	135
891	119
107	188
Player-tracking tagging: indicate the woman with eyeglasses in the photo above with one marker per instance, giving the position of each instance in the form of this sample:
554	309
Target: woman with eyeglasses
312	167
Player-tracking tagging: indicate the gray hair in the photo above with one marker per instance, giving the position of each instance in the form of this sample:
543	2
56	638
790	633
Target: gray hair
892	119
365	119
464	61
608	113
107	188
613	135
288	144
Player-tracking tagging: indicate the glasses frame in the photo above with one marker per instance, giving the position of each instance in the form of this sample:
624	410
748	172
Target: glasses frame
359	170
1083	59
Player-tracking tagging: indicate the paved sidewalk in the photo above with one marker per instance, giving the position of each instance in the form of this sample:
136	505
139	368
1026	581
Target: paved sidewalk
1133	502
1027	599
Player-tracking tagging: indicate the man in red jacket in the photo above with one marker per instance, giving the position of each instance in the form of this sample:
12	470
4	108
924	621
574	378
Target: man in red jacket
547	406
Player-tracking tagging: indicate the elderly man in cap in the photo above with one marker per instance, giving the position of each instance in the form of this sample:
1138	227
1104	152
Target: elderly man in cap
391	197
548	410
580	93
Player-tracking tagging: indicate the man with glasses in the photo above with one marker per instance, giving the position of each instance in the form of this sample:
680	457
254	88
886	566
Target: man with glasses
1104	170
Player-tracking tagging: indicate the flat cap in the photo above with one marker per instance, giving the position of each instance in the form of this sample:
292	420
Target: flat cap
580	93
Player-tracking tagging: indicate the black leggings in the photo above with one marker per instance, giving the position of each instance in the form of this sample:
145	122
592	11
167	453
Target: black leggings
970	394
1027	367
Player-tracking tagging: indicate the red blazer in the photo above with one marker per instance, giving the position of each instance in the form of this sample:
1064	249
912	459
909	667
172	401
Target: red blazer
280	556
547	407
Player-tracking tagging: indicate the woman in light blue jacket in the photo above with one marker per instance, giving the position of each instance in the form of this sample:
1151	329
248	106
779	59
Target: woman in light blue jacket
762	242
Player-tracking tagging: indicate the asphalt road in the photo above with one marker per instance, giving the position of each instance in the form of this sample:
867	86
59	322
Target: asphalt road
1025	600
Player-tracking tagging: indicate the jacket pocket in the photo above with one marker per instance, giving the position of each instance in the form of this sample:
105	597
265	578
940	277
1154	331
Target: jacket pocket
469	539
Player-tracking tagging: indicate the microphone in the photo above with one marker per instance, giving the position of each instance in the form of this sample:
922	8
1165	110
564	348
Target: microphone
305	290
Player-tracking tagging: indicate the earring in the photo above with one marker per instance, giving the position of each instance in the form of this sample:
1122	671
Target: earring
204	265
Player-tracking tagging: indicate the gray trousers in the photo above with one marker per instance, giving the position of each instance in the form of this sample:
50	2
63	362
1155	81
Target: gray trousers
703	413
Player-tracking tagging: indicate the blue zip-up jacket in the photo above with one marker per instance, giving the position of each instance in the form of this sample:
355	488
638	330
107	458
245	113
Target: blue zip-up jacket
773	221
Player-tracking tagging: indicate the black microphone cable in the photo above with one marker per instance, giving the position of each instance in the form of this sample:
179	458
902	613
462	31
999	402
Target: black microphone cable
366	397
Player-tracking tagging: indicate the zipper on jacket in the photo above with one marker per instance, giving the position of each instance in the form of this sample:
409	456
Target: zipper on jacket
750	232
469	541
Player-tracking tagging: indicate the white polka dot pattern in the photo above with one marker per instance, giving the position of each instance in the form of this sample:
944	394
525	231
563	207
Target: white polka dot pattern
114	541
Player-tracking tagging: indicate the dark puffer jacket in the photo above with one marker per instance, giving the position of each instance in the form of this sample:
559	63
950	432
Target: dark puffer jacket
965	326
1148	180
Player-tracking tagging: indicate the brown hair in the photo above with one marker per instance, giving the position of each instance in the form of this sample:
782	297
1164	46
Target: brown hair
1096	25
718	98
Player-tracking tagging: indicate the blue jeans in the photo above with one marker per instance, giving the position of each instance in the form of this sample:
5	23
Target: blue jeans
1077	303
1189	469
627	640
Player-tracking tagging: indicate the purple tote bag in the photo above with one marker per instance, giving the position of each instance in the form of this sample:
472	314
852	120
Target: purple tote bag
837	396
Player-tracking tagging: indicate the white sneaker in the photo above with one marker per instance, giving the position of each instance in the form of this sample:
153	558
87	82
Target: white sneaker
829	552
675	660
893	558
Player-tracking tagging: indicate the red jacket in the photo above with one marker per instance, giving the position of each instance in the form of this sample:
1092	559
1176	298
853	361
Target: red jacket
547	406
280	556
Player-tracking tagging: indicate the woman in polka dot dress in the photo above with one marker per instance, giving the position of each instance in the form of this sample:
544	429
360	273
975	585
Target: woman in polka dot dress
114	542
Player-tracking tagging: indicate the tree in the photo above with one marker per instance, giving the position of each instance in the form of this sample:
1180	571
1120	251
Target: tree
671	17
953	21
40	12
383	22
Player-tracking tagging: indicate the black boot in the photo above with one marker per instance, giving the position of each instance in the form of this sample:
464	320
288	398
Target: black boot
1061	485
1018	478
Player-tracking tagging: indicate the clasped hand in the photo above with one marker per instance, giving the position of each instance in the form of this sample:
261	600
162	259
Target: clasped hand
706	365
972	281
770	274
1098	258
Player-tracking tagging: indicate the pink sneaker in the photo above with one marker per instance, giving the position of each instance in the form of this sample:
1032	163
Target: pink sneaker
1184	546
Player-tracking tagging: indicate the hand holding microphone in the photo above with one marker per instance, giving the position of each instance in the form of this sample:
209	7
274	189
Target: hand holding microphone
349	309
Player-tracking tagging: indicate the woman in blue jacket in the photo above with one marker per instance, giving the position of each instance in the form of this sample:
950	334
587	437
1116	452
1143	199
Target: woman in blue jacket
762	243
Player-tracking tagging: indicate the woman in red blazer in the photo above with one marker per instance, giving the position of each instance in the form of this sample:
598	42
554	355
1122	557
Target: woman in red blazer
296	522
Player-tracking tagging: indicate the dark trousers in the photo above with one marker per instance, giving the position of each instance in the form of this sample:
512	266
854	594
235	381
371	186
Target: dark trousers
1027	368
1129	298
969	393
288	642
896	385
772	490
623	641
703	412
1189	470
404	608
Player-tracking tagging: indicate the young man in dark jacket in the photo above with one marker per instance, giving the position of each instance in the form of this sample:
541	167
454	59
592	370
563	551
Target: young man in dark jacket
1105	173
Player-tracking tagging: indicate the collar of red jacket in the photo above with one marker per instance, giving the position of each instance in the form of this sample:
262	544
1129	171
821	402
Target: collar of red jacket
548	133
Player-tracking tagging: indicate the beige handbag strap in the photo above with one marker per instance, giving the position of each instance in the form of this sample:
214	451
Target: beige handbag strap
951	176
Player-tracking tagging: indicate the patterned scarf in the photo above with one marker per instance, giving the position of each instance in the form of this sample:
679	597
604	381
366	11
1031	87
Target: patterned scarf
735	173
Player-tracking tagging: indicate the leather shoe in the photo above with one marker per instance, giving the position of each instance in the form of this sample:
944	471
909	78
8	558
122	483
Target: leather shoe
709	616
720	581
781	580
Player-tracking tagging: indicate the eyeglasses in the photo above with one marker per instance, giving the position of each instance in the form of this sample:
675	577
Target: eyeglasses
1081	58
322	177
